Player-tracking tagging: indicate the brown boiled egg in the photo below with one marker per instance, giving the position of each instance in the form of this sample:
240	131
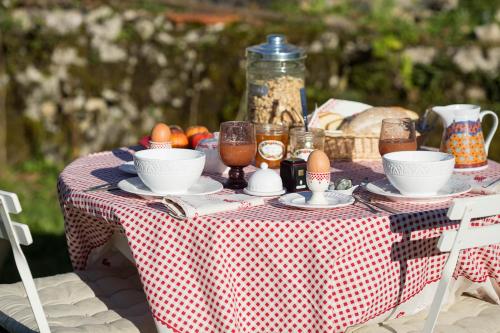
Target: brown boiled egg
318	162
160	133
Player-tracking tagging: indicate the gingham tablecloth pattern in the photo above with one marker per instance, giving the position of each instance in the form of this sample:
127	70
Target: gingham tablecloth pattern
268	268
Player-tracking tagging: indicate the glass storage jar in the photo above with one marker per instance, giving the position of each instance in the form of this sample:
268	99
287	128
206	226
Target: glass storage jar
275	78
303	143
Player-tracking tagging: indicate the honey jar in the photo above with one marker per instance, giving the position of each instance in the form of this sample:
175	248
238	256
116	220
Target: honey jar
272	141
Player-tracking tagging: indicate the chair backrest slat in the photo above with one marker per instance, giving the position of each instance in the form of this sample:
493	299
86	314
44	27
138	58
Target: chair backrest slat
12	203
473	237
16	236
479	207
22	232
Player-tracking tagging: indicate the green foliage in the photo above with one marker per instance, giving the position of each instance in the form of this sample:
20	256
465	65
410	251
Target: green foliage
318	6
149	5
480	11
407	72
385	45
35	184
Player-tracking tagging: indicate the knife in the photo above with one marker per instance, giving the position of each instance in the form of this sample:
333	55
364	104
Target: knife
102	187
373	205
366	203
492	183
385	207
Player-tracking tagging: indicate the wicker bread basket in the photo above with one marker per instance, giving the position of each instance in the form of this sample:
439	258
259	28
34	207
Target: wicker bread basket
342	147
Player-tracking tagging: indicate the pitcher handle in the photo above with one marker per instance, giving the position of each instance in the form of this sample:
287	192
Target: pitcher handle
493	129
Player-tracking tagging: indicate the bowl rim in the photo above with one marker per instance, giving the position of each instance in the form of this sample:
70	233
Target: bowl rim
447	159
140	154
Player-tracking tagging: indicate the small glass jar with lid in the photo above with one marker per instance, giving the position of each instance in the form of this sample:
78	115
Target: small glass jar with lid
303	143
275	78
272	141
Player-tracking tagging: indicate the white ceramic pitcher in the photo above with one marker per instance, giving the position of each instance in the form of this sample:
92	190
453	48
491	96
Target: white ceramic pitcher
463	136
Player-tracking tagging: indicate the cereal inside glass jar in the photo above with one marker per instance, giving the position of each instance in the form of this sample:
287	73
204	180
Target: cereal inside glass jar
275	78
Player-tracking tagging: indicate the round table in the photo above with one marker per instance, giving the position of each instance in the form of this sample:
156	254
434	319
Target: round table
268	268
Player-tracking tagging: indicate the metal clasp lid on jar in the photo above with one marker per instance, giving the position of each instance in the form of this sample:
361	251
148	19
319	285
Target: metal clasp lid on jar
276	49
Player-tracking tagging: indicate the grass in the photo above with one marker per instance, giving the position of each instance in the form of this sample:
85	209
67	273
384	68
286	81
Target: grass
35	183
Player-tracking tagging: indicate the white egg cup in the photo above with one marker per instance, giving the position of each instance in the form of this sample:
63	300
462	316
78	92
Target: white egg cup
318	183
159	145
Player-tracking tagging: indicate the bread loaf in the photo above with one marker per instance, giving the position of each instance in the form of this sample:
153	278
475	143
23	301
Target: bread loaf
369	121
330	120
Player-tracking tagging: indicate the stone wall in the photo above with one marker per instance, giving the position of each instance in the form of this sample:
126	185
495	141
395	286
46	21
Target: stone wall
80	80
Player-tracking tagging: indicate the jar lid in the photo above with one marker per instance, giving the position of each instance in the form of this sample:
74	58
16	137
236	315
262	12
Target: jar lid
276	48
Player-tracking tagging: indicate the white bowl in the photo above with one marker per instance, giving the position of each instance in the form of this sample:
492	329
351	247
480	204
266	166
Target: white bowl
169	171
418	173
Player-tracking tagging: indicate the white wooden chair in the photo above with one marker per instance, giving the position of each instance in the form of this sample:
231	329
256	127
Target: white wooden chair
467	314
108	299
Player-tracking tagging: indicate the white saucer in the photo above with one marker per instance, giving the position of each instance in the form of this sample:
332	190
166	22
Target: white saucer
128	167
264	194
471	169
384	188
205	185
299	200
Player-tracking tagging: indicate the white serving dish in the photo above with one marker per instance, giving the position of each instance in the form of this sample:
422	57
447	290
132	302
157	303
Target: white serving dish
204	185
264	182
213	163
264	194
349	191
452	188
169	171
418	173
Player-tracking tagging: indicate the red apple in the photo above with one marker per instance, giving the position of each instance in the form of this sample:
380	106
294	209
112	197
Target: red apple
196	138
192	130
144	141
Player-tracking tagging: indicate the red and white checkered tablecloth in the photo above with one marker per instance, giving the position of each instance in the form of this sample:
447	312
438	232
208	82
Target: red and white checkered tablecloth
268	268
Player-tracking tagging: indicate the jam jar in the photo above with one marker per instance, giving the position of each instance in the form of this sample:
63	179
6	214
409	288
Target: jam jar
272	141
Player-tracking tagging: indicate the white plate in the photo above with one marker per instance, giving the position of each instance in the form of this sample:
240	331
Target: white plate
299	200
264	194
384	188
128	167
205	185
